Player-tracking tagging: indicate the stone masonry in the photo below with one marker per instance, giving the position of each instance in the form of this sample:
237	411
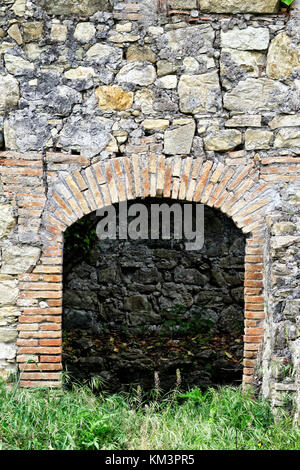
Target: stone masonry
104	101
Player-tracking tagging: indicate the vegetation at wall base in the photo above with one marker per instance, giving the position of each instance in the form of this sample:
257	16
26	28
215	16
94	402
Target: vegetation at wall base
217	419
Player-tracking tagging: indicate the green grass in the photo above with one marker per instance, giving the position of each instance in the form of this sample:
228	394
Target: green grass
226	418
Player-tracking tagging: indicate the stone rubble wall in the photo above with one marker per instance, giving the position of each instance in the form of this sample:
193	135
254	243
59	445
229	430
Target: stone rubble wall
102	101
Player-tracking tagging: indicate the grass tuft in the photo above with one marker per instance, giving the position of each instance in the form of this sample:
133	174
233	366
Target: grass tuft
224	418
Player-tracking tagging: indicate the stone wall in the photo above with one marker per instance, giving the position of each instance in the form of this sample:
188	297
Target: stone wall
101	102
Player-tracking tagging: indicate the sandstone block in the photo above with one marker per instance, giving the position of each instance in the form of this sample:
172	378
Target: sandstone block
114	97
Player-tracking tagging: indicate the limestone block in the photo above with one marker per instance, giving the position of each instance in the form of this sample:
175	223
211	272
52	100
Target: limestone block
190	41
120	38
256	95
104	53
244	120
183	4
282	57
179	141
199	93
89	136
137	73
257	139
7	221
17	260
33	31
8	292
15	33
84	32
19	7
223	140
292	120
7	351
156	124
80	73
144	100
84	8
8	315
140	54
164	67
8	335
287	138
168	82
284	241
58	32
114	97
9	92
16	65
247	39
239	6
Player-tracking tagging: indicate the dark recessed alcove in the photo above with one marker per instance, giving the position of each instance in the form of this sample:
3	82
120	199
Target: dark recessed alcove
135	307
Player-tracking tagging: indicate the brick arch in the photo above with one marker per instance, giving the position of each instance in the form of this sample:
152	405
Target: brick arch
236	192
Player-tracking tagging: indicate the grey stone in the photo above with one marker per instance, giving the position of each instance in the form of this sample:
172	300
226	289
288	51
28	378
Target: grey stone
9	92
256	95
247	39
17	260
90	135
179	141
7	221
199	93
83	8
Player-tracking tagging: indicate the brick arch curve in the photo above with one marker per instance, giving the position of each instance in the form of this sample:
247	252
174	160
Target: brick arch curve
235	191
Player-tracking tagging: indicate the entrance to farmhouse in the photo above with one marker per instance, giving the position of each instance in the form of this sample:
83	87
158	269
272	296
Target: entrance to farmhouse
140	312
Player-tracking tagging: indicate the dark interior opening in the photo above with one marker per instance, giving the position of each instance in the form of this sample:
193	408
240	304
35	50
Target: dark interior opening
133	308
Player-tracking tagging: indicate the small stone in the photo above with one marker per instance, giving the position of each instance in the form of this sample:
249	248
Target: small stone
222	140
112	146
58	33
124	28
257	139
19	7
244	120
122	37
168	82
9	92
114	98
137	53
155	124
84	8
282	58
239	6
80	73
33	31
256	95
199	93
191	65
155	30
179	141
104	53
137	73
84	32
292	120
14	33
144	100
165	67
8	292
287	138
8	335
7	221
16	65
247	39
